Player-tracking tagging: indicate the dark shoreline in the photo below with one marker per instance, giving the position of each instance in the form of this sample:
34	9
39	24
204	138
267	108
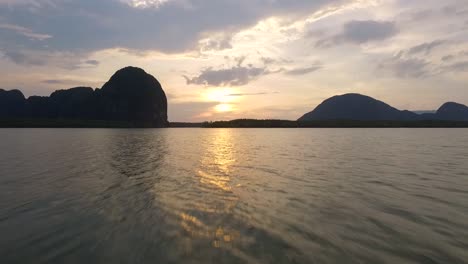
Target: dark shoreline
242	123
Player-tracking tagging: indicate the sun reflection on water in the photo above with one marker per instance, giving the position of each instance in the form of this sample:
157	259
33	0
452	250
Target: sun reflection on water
214	173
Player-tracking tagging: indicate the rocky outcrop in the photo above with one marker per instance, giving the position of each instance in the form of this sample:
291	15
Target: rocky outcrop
12	104
131	96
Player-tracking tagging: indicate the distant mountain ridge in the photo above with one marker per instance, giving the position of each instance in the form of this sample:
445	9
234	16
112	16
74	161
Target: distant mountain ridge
131	96
364	108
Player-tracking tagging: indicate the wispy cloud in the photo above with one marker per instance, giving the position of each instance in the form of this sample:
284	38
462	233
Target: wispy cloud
251	94
425	48
25	32
303	71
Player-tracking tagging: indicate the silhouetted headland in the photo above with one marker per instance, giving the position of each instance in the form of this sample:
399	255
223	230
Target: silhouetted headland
131	98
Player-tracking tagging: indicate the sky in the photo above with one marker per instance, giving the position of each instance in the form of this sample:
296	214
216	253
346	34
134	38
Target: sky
228	59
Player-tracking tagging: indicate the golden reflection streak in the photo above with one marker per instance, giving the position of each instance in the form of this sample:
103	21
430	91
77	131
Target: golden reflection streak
215	172
222	237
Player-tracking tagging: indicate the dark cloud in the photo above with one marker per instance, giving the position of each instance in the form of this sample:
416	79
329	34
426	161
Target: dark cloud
65	60
410	64
54	81
19	57
92	62
175	26
240	75
360	32
63	81
303	71
275	61
461	66
456	10
419	15
448	58
268	61
369	30
425	48
406	67
235	76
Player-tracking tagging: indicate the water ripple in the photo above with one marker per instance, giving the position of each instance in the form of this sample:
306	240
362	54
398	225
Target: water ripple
233	196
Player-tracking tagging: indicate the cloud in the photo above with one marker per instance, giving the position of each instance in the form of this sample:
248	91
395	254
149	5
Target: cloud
406	67
146	3
425	48
410	64
360	32
65	60
275	61
70	82
268	61
23	58
54	81
241	75
174	26
303	71
461	66
235	76
218	43
25	32
251	94
369	30
448	58
456	10
92	62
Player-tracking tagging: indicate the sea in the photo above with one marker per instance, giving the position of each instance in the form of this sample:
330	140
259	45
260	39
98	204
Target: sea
195	195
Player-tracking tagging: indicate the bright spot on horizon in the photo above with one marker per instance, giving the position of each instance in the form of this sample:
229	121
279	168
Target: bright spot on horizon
222	108
223	96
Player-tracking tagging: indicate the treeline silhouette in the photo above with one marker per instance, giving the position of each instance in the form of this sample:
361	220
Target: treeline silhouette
255	123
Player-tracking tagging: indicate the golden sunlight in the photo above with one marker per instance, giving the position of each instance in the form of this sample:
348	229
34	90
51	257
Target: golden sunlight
222	108
224	95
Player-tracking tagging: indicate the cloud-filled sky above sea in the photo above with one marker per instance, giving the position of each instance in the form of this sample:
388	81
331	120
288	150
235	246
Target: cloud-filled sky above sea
227	59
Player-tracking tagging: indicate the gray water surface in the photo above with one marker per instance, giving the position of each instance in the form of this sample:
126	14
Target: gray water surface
234	196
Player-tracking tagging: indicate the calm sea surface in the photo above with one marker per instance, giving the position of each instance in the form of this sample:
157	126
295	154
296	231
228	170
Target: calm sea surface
234	196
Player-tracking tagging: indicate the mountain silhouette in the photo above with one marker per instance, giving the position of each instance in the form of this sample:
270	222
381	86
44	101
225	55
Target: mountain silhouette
453	111
131	95
364	108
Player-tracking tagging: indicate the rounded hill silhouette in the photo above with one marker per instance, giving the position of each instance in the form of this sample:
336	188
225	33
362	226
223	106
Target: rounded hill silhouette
356	107
131	96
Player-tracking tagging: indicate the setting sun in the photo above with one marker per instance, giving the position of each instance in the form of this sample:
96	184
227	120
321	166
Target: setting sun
220	95
224	108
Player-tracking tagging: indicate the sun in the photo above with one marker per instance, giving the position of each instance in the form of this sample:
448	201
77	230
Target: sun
225	98
222	96
222	108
